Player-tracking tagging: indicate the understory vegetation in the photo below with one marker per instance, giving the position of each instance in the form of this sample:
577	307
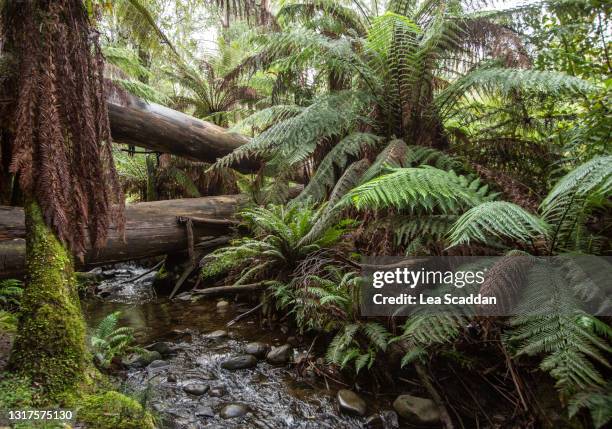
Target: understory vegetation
407	128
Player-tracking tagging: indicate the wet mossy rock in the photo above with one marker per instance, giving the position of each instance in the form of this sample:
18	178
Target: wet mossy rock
112	410
50	345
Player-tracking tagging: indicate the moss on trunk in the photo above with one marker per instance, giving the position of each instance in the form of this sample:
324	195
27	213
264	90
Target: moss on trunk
50	344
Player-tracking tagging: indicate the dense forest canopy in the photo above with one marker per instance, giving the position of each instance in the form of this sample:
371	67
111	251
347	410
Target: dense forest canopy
399	127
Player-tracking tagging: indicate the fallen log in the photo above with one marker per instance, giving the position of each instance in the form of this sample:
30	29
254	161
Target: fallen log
151	229
224	290
158	128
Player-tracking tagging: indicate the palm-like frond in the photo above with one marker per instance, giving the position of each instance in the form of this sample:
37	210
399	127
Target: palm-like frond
293	140
337	159
550	322
497	220
424	188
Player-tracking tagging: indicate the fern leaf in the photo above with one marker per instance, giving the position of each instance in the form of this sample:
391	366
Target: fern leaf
499	220
414	189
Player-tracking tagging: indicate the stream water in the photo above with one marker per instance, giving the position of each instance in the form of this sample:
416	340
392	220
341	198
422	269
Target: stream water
274	396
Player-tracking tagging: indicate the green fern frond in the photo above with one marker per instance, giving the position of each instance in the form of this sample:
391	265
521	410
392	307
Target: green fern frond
392	155
377	334
597	400
413	189
550	322
324	178
497	220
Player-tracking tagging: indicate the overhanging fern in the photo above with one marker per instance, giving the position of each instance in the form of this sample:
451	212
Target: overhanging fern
496	220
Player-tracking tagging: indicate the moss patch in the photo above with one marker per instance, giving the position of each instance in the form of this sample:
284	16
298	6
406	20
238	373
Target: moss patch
112	410
50	345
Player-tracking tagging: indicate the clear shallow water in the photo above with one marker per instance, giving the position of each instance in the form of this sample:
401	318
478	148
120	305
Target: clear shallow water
275	396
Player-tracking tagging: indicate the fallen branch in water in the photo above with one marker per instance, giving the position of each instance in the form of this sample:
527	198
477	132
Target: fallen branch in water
243	315
222	290
138	277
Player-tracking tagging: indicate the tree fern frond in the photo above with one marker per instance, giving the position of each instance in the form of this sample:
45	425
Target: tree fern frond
350	146
498	220
392	155
291	141
414	189
506	80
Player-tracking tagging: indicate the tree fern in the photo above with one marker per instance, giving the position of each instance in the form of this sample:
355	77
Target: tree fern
413	189
550	322
291	141
506	80
324	178
391	156
496	220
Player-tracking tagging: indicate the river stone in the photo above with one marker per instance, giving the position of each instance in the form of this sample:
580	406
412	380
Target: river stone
217	392
204	411
161	347
222	304
172	378
197	389
140	360
217	335
417	410
157	364
231	411
280	355
240	362
257	349
351	403
384	420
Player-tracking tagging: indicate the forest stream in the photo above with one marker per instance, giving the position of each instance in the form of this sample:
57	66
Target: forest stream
195	341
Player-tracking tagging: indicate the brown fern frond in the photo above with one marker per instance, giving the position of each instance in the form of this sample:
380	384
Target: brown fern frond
61	150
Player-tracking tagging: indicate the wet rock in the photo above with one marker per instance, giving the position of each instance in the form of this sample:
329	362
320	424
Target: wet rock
217	335
231	411
280	355
197	388
160	347
223	304
204	411
172	378
384	420
417	410
157	364
217	392
351	403
140	360
185	296
257	349
239	362
293	341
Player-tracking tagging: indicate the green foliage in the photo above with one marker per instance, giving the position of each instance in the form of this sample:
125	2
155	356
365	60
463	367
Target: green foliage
497	220
276	245
108	341
597	400
112	410
550	322
415	189
11	291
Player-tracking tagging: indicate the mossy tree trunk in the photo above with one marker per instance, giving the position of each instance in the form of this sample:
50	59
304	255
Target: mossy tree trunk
50	346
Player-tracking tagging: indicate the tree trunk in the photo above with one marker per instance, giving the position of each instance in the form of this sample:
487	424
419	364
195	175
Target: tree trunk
50	344
161	129
151	229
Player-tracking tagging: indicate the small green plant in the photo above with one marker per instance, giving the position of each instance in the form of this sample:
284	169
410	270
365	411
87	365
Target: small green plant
108	340
10	293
